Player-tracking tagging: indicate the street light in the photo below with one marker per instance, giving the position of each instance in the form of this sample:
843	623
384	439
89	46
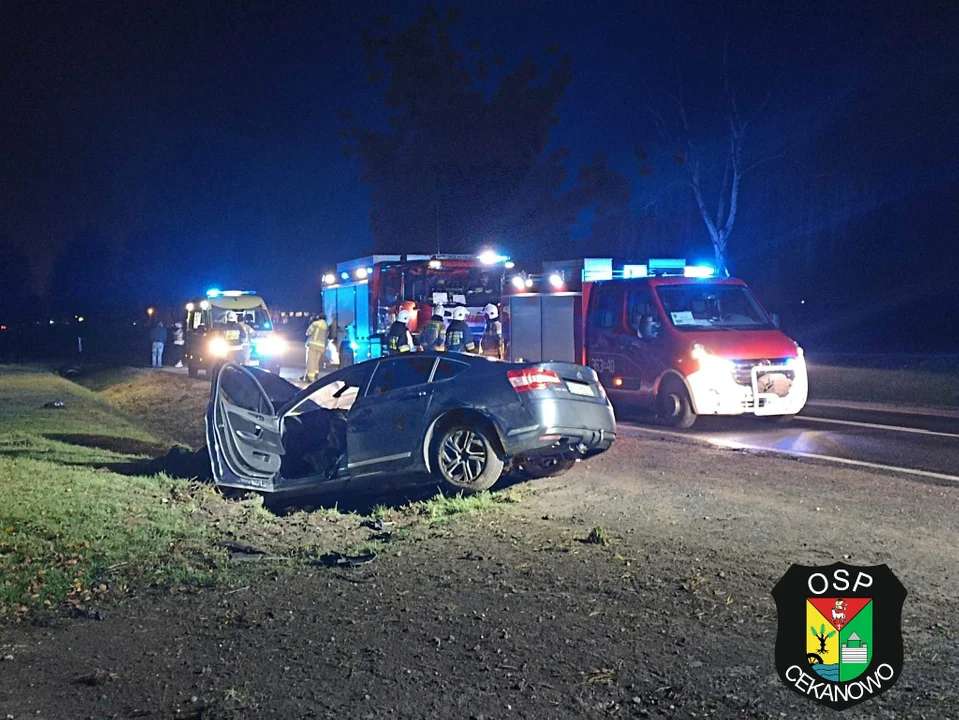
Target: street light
150	311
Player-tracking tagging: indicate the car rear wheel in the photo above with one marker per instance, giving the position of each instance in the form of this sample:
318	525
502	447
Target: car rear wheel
675	407
465	459
547	467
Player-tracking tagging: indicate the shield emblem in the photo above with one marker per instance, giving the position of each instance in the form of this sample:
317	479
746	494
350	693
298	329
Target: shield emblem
840	639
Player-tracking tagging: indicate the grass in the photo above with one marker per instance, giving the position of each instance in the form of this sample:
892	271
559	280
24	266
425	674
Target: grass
441	508
74	530
898	386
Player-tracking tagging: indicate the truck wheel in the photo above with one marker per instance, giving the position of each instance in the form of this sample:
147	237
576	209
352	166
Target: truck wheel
464	459
547	467
193	371
675	407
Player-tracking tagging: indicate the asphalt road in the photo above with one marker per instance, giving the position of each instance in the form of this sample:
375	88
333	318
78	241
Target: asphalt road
919	442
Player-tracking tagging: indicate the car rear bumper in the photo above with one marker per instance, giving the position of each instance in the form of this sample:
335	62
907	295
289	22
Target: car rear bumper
566	428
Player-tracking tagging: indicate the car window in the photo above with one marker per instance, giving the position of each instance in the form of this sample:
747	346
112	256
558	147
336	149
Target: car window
400	373
336	393
238	388
279	390
448	369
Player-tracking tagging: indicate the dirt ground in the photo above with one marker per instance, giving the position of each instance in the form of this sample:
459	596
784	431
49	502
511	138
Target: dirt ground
507	613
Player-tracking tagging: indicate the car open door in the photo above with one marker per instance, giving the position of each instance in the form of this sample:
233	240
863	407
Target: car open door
243	431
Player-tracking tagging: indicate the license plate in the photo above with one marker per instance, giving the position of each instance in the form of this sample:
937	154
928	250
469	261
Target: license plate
580	389
232	334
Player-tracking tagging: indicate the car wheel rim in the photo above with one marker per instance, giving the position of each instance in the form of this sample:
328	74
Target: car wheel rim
673	405
463	456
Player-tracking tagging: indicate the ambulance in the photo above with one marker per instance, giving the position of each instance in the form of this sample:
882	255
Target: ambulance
210	339
666	337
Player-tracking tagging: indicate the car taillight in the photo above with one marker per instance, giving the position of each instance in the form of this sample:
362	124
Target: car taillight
532	379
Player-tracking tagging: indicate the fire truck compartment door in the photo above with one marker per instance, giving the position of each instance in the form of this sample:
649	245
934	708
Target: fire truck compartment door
543	328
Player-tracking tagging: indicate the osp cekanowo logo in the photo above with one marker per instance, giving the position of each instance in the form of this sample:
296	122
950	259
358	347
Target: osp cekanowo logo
840	632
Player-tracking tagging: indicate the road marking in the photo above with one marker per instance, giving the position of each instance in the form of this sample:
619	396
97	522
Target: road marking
877	426
733	445
884	407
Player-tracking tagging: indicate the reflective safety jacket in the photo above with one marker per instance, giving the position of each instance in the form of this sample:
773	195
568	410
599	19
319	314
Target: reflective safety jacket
459	338
317	333
433	336
399	339
492	341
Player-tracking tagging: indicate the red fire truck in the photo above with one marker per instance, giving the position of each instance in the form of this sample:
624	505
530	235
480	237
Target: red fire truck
362	297
664	336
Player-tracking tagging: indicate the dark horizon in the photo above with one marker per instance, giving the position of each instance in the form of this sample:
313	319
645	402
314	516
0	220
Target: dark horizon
204	147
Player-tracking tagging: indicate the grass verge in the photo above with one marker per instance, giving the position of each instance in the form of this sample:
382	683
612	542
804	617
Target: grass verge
75	529
903	387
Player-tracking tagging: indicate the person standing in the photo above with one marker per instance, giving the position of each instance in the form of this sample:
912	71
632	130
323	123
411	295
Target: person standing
433	335
317	335
178	342
158	338
491	344
399	338
459	337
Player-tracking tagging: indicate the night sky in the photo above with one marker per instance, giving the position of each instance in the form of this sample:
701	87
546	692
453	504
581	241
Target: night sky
207	132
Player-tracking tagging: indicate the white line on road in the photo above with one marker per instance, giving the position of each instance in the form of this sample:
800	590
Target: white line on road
733	445
877	426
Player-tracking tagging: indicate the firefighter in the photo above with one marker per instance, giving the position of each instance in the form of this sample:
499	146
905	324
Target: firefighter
491	343
459	338
399	338
243	339
316	336
433	335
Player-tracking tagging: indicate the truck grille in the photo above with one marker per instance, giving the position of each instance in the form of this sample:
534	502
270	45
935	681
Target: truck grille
743	369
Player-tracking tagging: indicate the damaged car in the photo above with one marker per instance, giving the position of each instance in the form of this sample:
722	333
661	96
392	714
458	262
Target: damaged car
459	421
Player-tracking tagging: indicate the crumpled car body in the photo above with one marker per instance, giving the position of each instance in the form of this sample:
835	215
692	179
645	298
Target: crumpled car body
414	418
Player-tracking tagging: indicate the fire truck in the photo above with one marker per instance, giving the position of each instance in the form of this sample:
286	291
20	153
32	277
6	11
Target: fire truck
363	296
663	336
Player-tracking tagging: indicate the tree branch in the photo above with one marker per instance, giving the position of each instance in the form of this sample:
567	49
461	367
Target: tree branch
763	161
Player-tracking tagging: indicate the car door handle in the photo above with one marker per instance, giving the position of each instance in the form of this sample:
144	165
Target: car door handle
246	435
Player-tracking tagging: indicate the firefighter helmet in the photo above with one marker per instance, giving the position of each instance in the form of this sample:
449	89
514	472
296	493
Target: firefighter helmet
403	316
491	311
460	313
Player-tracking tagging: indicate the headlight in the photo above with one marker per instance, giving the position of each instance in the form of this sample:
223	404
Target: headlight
271	346
709	362
218	347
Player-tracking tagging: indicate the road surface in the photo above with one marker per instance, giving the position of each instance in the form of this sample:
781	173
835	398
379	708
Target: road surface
919	442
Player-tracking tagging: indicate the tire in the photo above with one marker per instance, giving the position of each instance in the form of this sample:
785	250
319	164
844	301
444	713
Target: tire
675	407
465	460
193	371
547	467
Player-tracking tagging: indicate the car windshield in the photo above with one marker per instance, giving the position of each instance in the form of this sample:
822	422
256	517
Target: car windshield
712	306
256	318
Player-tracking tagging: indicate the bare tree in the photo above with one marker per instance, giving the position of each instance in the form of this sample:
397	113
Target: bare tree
706	161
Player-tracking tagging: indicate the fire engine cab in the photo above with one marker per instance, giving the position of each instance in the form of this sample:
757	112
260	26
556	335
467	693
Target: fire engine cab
664	336
362	298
